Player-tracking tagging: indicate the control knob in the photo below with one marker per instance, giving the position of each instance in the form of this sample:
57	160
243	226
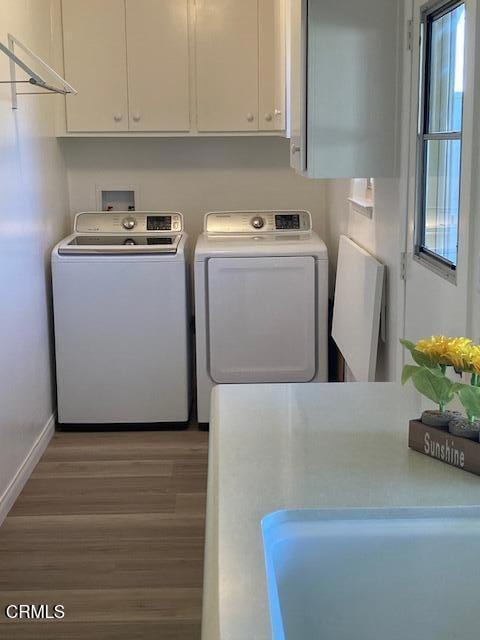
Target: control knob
129	223
258	222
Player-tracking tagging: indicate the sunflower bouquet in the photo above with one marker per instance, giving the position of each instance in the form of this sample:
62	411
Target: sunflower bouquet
433	357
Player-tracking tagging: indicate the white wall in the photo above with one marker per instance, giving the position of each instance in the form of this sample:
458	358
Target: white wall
381	236
193	175
33	206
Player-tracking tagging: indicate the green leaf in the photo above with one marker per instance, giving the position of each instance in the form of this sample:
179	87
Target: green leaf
408	371
418	356
407	344
437	388
470	398
423	360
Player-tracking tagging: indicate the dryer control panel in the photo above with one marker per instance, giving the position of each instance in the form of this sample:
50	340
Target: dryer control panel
128	222
257	221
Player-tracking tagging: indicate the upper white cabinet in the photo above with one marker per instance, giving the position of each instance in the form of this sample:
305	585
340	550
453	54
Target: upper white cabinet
95	57
343	63
129	61
175	67
158	65
240	65
296	79
271	64
227	65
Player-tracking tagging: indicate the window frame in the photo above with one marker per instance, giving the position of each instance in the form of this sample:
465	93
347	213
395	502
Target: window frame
442	266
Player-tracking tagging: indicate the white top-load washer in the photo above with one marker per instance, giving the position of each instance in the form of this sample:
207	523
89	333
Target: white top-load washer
261	301
121	318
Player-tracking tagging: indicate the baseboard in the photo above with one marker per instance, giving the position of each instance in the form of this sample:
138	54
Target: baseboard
7	500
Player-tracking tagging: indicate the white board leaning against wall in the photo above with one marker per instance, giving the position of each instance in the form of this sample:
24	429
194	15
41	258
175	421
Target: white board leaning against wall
357	308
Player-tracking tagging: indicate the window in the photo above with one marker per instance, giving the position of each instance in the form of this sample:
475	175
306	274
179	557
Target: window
440	135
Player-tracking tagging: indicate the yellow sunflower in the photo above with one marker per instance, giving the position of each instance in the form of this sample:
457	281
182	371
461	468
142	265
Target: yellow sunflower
454	352
458	352
474	359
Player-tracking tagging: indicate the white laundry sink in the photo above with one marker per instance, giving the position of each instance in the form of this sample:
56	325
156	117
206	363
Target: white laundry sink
374	574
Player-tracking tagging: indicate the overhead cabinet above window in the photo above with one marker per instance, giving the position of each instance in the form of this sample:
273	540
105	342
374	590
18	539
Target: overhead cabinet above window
342	78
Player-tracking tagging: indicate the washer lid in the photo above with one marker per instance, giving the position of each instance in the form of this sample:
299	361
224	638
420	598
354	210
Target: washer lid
119	244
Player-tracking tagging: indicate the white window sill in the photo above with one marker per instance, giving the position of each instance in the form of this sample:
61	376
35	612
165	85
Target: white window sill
362	205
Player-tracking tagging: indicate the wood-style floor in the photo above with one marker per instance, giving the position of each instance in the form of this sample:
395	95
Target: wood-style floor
111	525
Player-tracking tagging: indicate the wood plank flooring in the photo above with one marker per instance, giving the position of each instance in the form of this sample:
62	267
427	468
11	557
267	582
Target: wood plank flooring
111	525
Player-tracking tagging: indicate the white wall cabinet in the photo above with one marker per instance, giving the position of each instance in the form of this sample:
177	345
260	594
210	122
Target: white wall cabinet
158	65
95	55
296	78
271	64
240	65
227	65
175	66
343	93
129	61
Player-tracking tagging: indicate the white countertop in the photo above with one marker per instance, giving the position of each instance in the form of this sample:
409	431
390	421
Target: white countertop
304	445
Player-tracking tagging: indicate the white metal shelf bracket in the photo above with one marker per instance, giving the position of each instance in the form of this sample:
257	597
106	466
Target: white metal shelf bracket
33	78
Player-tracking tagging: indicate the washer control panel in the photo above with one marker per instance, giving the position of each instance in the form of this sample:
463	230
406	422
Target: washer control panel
128	222
257	221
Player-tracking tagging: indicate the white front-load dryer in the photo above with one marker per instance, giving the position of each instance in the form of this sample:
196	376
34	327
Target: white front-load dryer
121	317
261	301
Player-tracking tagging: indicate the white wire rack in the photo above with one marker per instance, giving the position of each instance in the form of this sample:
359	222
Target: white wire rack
34	79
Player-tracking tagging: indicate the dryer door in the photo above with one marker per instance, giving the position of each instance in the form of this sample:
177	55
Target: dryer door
262	319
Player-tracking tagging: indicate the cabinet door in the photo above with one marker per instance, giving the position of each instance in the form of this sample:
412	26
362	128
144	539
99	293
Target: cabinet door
296	59
95	64
227	65
352	88
271	64
158	65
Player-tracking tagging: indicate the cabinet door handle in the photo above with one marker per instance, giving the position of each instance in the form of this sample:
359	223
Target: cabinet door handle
136	117
250	117
268	117
117	117
295	149
277	112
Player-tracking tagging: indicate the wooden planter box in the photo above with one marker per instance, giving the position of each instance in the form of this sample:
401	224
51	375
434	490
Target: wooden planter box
439	444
